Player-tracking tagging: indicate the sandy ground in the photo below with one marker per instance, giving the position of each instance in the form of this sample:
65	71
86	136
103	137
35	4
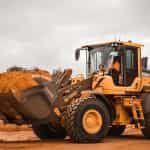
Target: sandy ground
12	138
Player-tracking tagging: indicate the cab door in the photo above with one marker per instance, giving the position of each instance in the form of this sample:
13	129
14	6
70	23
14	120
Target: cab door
130	66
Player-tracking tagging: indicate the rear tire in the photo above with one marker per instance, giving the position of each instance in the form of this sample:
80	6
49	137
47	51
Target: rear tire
74	120
46	131
146	129
116	130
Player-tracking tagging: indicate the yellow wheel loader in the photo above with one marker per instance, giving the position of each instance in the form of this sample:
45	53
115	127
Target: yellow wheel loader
114	94
119	93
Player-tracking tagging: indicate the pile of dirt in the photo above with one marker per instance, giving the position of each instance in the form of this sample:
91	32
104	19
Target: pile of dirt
14	127
20	80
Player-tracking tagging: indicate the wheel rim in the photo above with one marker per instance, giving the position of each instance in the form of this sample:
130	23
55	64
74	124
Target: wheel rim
92	121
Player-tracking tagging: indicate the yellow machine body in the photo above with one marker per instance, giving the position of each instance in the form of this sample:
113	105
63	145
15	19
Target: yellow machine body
127	105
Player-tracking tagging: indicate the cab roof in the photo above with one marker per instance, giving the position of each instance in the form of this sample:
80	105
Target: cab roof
128	43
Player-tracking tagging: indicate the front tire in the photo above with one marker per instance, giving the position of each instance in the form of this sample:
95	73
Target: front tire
87	121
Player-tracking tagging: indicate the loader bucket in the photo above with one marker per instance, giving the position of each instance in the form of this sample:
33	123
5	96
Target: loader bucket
36	104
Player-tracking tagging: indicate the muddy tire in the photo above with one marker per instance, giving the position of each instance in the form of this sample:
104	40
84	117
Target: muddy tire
87	121
117	130
46	131
146	129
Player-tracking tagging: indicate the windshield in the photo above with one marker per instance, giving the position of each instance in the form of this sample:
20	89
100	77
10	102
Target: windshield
102	55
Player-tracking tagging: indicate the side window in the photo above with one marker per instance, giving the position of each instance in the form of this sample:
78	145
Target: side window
130	59
99	60
130	66
96	60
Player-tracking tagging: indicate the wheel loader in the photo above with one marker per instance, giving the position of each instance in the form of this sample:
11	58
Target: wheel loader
114	94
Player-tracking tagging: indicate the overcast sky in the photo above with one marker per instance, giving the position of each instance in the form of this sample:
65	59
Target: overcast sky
45	33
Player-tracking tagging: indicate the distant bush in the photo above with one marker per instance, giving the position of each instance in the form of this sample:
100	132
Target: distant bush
16	68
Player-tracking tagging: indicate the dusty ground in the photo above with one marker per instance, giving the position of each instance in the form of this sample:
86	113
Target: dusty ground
26	140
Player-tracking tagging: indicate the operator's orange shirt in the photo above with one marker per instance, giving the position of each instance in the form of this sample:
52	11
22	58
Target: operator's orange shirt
116	66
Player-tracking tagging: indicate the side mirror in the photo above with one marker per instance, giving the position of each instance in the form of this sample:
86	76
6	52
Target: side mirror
144	63
77	54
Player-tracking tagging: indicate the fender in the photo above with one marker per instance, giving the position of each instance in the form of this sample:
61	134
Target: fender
109	105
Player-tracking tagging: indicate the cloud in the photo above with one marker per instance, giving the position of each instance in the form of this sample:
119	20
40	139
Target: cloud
45	33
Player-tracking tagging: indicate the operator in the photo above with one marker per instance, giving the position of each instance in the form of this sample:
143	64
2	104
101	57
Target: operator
114	69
